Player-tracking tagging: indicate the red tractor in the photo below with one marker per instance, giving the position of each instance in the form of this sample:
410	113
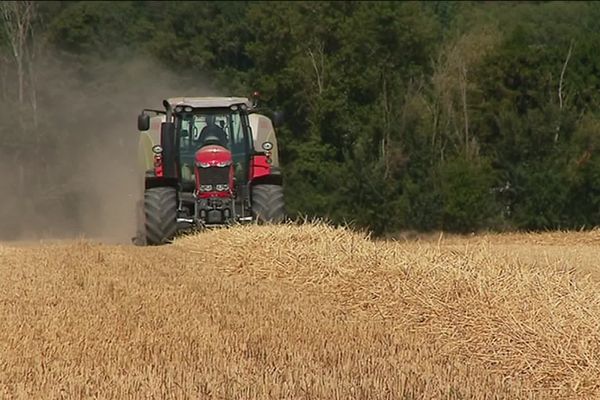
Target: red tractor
207	161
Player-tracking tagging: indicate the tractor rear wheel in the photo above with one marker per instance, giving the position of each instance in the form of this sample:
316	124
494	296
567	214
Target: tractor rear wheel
160	207
267	203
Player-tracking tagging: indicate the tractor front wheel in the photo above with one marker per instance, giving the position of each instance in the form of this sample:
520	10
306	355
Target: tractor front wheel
160	207
267	203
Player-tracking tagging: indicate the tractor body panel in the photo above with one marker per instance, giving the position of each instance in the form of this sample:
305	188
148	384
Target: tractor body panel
264	132
147	140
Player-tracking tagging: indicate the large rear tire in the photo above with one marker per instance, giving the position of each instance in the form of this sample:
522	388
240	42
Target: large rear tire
160	208
267	203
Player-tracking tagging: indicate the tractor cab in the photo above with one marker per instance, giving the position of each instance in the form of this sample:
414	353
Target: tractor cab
216	161
224	128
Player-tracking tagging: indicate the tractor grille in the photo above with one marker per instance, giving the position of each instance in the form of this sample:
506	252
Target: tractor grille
214	175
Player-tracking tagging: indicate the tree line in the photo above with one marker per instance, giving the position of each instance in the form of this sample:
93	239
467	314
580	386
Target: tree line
432	115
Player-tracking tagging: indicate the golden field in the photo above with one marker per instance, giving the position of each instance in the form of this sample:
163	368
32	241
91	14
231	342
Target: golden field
303	312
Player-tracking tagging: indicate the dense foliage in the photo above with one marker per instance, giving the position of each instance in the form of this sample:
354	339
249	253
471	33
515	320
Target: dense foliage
399	115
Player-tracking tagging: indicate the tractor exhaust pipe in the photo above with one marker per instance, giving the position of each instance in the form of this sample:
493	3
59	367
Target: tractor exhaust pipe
169	110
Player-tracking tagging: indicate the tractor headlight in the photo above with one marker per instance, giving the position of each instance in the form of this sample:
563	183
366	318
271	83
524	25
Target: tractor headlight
206	188
203	165
267	146
222	188
157	149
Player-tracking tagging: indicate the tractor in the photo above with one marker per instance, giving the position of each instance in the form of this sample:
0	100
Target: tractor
207	161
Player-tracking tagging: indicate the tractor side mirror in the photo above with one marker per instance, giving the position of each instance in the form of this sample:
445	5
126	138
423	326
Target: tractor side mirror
143	122
278	119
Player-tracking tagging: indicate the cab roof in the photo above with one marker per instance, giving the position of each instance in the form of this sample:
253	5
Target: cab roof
208	102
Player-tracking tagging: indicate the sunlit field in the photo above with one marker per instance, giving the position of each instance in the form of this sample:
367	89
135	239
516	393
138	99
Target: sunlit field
303	312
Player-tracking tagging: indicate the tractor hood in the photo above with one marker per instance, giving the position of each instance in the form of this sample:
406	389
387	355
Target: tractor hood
214	172
213	156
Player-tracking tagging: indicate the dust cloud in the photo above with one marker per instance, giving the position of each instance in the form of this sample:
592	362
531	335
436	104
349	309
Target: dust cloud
68	148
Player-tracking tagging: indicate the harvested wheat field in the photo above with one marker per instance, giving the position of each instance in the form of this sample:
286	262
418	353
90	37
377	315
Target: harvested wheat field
303	312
